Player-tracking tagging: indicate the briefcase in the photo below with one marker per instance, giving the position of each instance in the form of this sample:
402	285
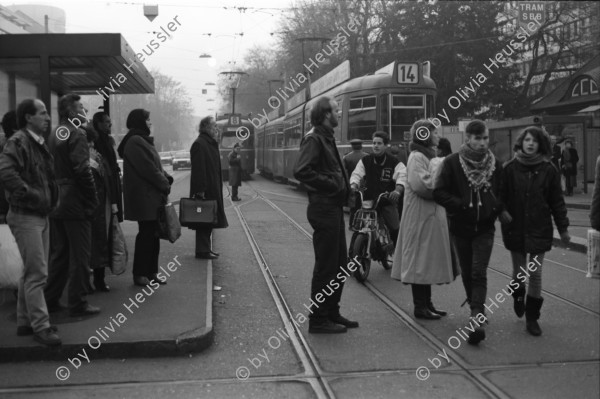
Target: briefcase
195	212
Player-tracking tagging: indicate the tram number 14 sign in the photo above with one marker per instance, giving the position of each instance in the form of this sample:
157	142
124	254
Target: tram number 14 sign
408	73
531	11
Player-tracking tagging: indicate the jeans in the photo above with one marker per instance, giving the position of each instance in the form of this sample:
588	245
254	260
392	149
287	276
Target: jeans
32	234
329	243
147	249
519	260
474	256
70	251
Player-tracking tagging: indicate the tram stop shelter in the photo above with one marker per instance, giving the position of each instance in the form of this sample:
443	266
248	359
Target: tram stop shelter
47	66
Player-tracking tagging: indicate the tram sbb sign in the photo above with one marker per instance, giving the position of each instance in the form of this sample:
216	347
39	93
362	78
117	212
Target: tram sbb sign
531	11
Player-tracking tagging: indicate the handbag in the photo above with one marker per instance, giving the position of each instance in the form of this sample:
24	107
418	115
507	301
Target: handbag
11	263
196	212
120	254
169	227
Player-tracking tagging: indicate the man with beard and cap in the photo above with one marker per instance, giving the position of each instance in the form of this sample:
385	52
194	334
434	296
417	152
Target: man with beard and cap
350	161
382	172
320	168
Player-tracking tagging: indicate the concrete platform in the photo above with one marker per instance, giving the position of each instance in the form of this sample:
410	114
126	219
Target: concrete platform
167	320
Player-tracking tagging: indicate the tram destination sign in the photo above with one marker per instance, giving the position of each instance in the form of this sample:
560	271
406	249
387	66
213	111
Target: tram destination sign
531	11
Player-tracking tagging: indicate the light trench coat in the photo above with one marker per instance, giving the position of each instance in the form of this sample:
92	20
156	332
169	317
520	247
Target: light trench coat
422	253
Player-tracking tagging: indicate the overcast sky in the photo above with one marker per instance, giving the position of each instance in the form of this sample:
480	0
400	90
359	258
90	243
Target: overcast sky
178	57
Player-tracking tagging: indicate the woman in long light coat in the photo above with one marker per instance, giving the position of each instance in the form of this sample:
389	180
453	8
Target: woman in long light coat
422	255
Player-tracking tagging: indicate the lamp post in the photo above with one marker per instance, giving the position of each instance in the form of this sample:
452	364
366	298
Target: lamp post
232	75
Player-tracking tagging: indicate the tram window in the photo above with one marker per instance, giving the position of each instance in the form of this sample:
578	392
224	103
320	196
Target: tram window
280	139
385	114
362	118
408	101
430	105
228	139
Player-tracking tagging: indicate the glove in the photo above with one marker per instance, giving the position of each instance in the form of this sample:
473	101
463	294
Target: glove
200	194
565	237
170	180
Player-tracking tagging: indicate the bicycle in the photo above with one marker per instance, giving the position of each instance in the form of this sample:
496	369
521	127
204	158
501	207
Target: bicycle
371	238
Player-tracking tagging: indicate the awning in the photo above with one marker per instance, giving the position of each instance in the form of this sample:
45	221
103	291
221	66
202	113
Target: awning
591	108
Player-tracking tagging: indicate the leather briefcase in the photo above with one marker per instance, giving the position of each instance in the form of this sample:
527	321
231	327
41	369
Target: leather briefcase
194	212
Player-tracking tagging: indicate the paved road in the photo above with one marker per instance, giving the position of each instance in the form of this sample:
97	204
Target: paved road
265	270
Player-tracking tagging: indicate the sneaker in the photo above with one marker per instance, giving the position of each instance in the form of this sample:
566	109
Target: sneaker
47	337
88	310
326	327
27	330
339	319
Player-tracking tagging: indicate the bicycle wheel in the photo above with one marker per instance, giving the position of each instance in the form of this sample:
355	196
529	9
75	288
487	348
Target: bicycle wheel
360	250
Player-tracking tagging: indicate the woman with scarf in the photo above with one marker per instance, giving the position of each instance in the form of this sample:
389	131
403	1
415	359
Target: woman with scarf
423	226
468	187
146	187
532	195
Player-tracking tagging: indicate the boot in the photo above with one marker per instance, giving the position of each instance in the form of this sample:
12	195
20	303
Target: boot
421	299
519	301
478	333
432	309
532	314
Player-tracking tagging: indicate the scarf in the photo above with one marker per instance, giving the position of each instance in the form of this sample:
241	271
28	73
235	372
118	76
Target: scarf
530	159
427	151
478	166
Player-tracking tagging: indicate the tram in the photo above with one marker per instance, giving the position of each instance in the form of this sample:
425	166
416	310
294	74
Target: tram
234	129
391	100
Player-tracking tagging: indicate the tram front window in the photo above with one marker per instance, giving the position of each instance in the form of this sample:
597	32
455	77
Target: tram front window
228	140
362	118
406	109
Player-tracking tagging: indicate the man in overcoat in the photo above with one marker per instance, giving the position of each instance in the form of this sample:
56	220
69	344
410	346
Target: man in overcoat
207	182
319	167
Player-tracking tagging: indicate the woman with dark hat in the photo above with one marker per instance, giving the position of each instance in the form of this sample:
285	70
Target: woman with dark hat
235	171
146	187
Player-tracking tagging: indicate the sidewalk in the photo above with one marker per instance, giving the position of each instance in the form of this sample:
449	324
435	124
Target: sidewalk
135	321
579	200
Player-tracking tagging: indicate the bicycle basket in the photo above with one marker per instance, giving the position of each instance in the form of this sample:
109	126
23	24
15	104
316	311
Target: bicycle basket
364	219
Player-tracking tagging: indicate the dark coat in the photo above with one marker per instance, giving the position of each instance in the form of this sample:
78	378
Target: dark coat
532	195
453	192
206	174
27	175
319	167
101	248
146	185
235	169
78	199
595	209
105	146
570	168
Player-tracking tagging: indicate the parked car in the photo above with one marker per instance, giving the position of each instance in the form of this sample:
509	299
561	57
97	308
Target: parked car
182	159
166	157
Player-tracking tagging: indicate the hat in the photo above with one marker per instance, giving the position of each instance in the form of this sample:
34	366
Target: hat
355	141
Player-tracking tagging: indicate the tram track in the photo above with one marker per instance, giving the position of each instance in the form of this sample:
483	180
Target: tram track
474	373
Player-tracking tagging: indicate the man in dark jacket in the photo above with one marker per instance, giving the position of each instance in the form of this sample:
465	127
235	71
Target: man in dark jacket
350	161
206	182
468	187
319	167
70	245
27	175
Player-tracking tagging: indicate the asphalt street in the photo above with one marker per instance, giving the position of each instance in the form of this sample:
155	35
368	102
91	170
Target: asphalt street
262	348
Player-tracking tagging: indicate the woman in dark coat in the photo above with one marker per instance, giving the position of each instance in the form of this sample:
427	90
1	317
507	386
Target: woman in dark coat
207	182
112	203
235	171
569	161
146	187
532	195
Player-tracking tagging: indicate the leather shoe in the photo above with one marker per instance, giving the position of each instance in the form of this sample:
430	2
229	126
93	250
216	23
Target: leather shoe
326	327
214	253
27	330
206	255
432	309
424	313
339	319
47	337
88	310
141	281
159	281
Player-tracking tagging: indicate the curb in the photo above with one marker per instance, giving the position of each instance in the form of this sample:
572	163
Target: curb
193	341
585	207
577	244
